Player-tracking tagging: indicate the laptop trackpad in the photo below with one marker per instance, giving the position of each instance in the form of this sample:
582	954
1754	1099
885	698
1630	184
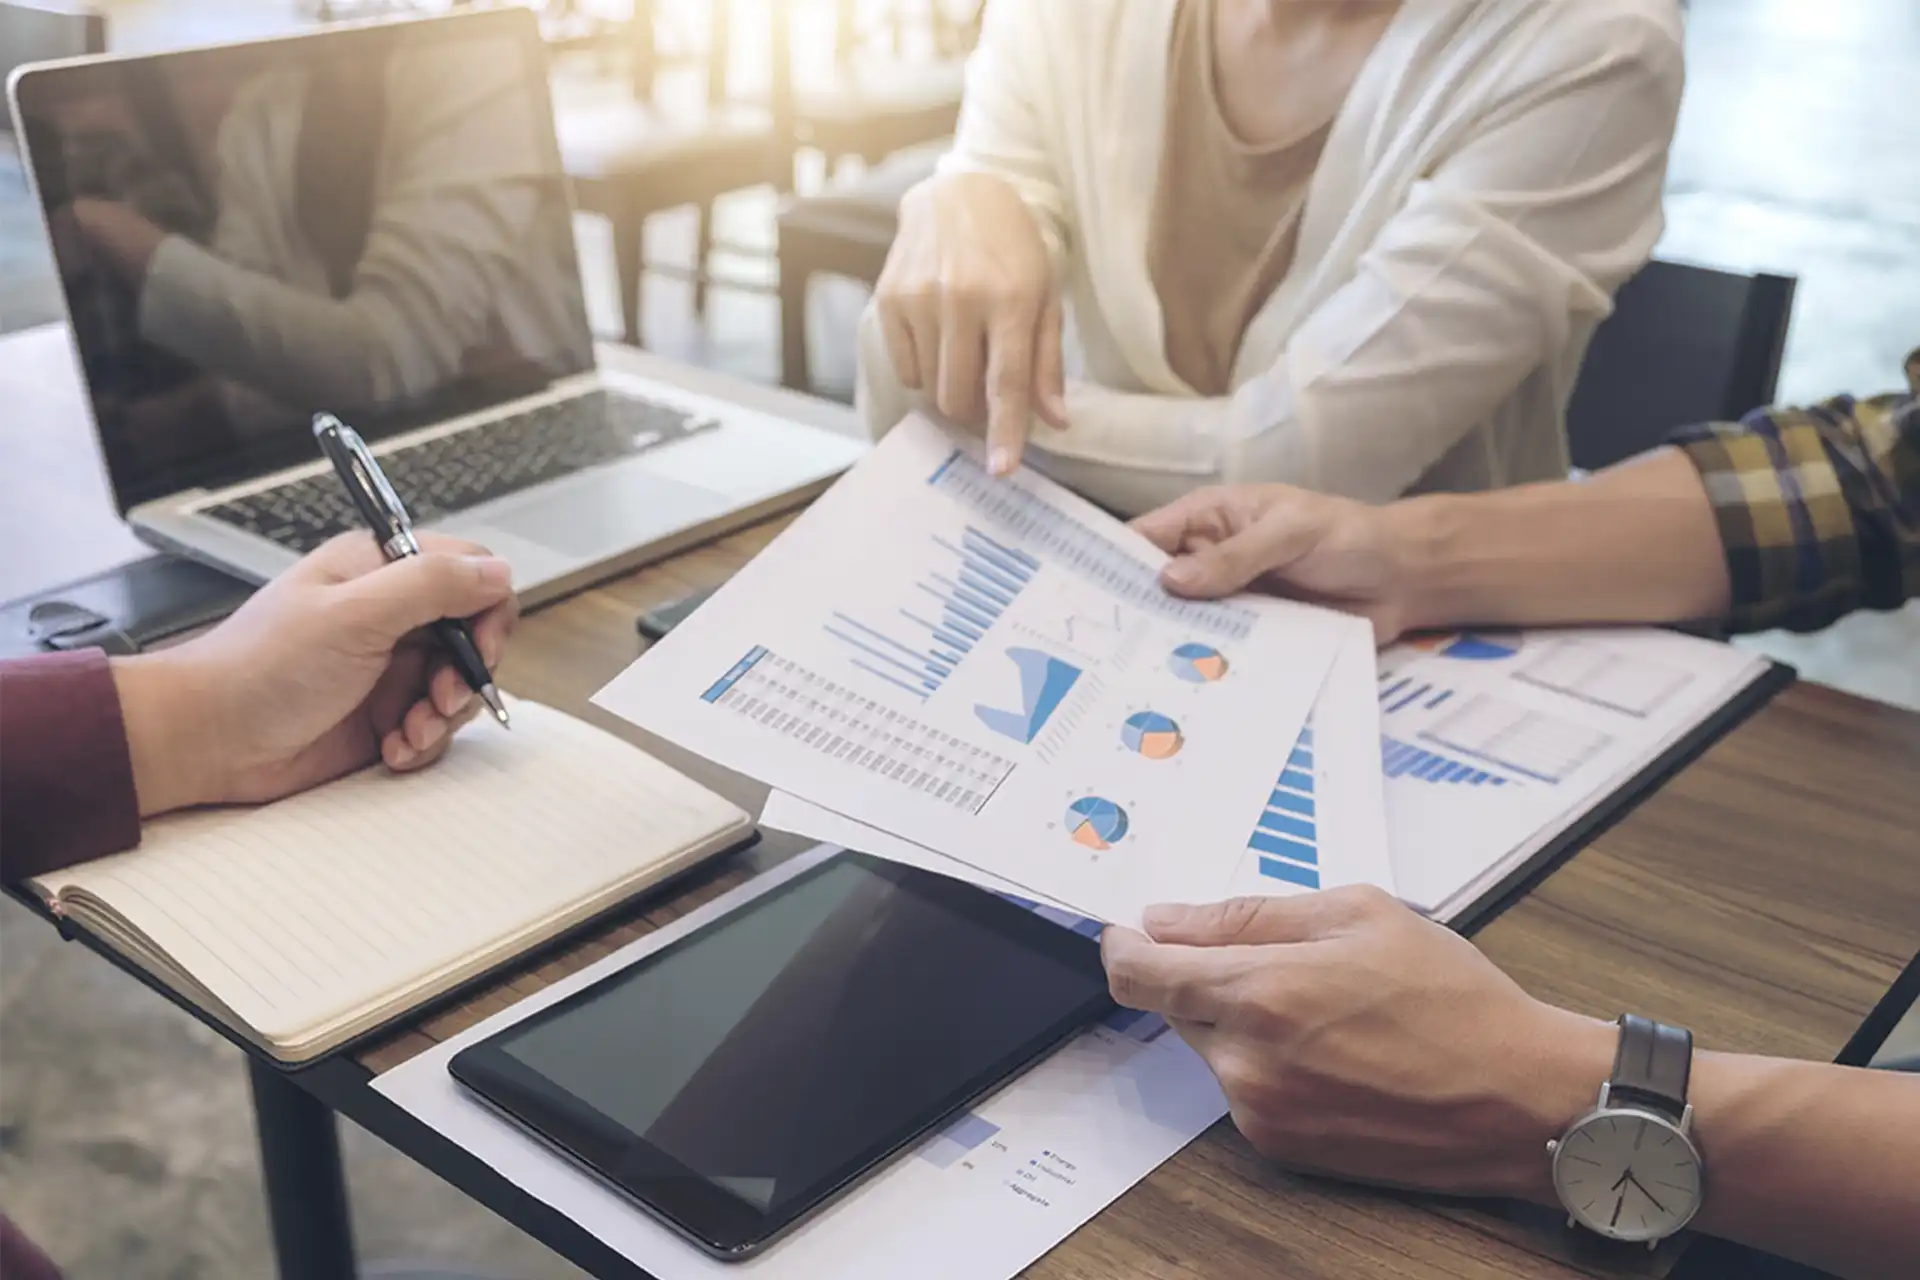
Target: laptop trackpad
605	514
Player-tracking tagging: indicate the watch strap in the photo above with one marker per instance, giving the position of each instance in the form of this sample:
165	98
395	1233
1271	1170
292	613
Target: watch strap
1652	1065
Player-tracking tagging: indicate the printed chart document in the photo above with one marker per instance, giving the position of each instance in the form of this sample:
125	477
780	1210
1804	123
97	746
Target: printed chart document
982	1199
990	669
1325	823
1494	743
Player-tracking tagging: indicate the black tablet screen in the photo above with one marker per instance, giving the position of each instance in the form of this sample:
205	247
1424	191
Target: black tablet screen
777	1051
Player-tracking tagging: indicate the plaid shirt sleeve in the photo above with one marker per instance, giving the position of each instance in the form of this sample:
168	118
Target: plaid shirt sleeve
1819	508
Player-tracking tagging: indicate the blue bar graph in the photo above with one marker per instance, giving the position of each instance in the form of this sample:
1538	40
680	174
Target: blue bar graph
1397	694
1410	697
960	1135
1072	547
1404	760
1287	836
944	624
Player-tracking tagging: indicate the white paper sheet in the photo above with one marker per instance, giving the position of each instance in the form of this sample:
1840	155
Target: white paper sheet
788	812
1494	742
990	669
1325	823
982	1200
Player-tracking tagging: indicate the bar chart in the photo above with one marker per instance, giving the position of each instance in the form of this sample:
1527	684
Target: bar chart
1071	546
1398	693
956	1139
920	647
1404	760
1530	743
1287	836
841	724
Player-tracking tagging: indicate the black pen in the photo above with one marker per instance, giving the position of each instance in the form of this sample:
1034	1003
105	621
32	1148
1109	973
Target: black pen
392	528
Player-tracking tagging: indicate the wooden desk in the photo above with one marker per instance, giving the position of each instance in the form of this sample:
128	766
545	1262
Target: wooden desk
1764	898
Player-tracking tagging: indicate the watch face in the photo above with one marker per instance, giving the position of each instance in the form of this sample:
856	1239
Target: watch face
1628	1175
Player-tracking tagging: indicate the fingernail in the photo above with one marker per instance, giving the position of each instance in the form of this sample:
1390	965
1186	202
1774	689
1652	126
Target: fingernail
1000	461
462	701
1164	916
1182	573
495	573
431	735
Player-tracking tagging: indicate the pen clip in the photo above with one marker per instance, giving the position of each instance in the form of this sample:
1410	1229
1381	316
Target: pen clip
396	525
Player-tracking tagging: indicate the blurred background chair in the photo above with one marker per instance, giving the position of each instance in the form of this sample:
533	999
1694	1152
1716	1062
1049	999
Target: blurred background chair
844	230
39	30
895	79
892	103
638	145
1684	344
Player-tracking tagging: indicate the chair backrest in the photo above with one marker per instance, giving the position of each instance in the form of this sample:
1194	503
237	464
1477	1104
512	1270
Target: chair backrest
1683	345
39	30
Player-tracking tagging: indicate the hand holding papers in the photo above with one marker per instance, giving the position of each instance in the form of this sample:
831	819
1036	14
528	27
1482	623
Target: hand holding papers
989	669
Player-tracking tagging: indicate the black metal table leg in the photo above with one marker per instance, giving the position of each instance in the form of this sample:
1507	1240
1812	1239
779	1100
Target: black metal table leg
306	1186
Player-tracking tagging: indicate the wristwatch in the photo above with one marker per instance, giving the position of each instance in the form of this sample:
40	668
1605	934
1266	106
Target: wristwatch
1629	1169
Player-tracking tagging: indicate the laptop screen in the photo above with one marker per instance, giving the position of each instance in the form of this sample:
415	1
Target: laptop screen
369	220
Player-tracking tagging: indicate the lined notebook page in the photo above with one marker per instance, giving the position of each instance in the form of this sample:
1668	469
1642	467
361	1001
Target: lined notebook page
300	913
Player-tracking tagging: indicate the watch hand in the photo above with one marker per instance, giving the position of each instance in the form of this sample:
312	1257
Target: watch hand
1621	1181
1643	1191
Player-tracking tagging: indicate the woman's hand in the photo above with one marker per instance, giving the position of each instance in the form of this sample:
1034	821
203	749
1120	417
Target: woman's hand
970	311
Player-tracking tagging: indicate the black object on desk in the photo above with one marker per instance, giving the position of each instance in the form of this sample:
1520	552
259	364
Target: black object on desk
392	528
123	610
844	1015
655	623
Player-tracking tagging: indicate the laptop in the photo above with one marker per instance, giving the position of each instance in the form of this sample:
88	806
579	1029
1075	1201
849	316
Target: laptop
371	220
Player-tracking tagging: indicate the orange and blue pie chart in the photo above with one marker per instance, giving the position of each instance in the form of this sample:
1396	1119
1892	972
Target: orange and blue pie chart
1198	663
1467	647
1096	824
1152	735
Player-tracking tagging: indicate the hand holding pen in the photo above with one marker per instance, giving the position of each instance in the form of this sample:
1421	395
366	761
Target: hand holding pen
392	528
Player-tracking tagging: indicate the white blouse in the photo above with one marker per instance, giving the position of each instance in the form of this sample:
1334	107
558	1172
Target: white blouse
1492	178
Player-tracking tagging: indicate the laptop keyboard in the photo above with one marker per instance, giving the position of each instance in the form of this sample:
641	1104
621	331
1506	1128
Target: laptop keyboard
455	472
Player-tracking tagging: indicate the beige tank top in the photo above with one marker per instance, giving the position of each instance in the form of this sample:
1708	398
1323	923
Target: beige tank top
1226	214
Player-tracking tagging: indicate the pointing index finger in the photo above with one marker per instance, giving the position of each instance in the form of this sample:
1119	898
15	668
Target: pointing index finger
1010	396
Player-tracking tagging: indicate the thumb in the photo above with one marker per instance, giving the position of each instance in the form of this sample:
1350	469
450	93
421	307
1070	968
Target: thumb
1270	545
397	599
1237	922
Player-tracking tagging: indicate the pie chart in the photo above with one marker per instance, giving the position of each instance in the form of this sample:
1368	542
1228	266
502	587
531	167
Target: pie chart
1198	663
1469	647
1153	735
1095	823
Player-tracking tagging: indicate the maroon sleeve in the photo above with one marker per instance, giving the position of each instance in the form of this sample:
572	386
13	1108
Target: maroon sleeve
66	777
19	1259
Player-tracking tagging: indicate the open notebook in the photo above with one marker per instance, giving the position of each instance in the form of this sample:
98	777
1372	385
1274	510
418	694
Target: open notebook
307	922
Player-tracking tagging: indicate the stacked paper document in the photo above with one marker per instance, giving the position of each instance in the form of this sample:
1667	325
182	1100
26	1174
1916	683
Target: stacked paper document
986	677
1494	743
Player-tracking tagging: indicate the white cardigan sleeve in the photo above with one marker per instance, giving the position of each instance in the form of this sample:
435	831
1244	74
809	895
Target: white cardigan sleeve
1547	206
1003	128
1003	131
